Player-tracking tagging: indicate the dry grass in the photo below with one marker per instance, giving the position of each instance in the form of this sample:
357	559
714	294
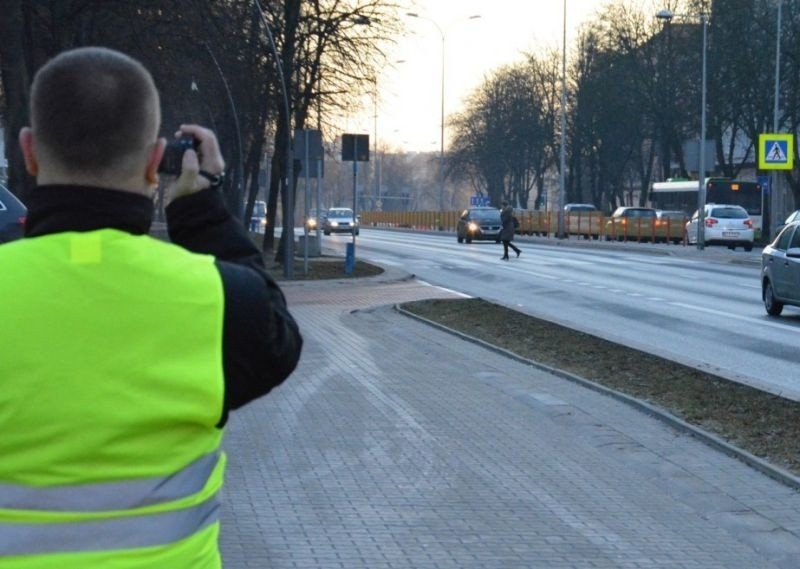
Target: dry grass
321	268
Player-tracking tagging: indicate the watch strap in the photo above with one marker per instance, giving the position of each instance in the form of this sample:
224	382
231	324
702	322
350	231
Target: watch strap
215	179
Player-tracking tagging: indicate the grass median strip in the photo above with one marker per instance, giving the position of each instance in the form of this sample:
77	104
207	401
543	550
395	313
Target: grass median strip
765	425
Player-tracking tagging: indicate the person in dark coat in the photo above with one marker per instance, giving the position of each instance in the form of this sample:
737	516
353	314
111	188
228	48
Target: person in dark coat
507	231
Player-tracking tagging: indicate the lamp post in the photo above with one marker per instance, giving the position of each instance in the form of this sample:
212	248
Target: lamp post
441	124
376	157
237	193
667	15
288	250
766	230
562	180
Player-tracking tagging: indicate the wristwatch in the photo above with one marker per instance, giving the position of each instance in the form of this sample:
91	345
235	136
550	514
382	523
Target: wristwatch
216	179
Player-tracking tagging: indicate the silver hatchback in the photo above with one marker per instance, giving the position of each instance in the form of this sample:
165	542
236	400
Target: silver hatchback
780	270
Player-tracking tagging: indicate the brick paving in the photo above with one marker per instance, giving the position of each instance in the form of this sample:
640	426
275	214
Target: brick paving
396	445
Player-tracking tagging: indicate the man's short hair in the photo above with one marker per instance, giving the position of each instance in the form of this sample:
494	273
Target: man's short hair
504	203
92	107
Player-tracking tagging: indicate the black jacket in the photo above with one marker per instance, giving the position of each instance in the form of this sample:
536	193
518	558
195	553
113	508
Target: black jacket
261	340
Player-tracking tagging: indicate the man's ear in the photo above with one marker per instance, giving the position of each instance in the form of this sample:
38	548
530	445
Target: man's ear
28	153
153	160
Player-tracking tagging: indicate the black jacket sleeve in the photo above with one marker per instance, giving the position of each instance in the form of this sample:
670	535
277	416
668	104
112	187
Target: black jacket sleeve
261	340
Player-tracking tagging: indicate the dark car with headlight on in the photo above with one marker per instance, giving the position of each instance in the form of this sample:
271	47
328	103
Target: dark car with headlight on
479	223
780	270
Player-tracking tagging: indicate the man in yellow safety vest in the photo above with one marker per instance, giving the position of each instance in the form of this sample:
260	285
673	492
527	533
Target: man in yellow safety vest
122	355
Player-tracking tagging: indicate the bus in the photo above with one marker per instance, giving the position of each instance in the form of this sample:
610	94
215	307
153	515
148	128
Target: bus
682	195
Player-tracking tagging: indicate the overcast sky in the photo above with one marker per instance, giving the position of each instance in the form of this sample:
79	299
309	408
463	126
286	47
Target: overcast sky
409	106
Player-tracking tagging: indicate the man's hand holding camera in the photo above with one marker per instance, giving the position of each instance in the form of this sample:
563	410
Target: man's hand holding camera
201	162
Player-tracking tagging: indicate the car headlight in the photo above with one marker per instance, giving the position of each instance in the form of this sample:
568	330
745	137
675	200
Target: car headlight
312	223
334	224
472	226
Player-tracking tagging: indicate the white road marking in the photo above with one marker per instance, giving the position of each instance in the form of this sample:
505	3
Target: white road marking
445	289
748	319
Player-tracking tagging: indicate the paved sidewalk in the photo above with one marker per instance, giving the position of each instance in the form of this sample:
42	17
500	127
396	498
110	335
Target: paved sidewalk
396	445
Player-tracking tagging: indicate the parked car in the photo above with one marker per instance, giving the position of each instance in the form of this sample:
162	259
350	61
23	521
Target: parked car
12	216
670	225
794	216
258	219
339	220
583	219
579	207
724	224
780	270
479	223
631	223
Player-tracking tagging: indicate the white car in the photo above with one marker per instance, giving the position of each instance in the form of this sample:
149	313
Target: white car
794	216
339	220
724	224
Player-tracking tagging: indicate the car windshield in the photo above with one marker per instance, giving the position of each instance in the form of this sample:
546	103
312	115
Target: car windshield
639	213
487	214
340	212
260	209
728	213
581	208
672	214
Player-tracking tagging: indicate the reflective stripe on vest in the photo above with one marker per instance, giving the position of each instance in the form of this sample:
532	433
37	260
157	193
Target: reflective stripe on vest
102	535
110	496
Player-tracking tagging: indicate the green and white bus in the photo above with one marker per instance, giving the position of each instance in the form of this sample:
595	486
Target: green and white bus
682	195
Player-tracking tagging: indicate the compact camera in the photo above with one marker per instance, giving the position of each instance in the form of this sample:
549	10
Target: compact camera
173	154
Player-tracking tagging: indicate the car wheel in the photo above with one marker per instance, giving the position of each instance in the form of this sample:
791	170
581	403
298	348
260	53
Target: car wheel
469	240
773	306
326	232
460	239
748	247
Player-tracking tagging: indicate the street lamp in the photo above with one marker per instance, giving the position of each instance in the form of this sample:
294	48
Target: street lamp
667	16
237	193
288	209
441	125
376	156
562	180
766	230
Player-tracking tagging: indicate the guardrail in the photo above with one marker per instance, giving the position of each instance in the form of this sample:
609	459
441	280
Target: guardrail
589	225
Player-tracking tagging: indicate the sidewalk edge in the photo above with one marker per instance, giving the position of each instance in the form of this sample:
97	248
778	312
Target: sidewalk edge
775	472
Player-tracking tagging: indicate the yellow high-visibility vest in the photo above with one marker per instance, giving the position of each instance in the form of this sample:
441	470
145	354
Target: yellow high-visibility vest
111	387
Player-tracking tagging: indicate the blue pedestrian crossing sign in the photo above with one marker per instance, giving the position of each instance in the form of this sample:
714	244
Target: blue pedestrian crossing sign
775	151
479	200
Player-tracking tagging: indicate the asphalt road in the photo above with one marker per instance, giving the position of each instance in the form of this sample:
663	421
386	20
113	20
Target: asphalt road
702	308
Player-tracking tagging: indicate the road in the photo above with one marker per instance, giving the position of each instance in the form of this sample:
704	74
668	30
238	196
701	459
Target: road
694	307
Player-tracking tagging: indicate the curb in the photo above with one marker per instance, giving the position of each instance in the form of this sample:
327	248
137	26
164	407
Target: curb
388	276
775	472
